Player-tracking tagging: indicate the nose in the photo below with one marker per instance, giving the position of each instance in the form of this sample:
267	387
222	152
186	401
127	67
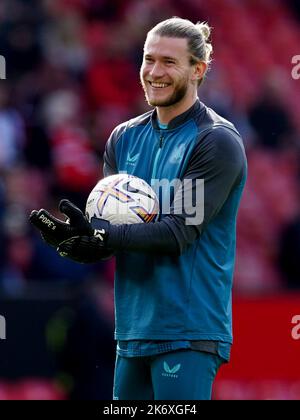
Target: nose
157	70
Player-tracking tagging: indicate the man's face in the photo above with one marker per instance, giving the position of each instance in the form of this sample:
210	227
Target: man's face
166	73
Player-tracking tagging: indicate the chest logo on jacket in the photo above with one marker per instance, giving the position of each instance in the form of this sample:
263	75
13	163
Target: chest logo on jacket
131	159
177	154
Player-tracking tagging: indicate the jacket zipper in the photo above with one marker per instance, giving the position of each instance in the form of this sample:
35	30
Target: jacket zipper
161	142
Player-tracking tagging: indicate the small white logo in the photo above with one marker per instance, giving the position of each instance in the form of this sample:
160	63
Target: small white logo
131	159
99	233
2	328
2	67
47	222
171	373
177	154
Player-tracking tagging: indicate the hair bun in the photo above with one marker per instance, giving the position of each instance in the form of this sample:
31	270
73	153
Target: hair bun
204	29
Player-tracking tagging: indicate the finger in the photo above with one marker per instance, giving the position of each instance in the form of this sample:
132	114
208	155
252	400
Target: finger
33	215
43	220
71	211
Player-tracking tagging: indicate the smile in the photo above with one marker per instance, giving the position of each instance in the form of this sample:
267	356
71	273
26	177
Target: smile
159	85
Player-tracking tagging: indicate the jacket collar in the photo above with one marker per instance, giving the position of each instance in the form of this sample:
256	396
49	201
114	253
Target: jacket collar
194	110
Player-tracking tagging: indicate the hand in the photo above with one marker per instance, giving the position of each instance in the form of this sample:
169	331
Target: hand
55	231
88	249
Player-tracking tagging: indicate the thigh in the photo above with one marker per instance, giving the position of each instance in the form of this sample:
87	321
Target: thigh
184	375
132	379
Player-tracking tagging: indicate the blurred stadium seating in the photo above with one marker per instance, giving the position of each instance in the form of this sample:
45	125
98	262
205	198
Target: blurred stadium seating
72	75
30	389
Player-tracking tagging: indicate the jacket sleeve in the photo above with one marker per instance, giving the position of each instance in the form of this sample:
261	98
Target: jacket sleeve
219	160
110	166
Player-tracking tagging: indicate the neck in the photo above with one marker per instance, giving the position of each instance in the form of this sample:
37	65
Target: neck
167	113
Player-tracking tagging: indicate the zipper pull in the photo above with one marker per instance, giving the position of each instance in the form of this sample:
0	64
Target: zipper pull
161	140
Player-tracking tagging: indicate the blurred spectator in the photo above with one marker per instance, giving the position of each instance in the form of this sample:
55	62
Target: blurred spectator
289	253
24	188
38	149
112	79
75	167
270	119
12	133
2	237
63	43
19	35
295	7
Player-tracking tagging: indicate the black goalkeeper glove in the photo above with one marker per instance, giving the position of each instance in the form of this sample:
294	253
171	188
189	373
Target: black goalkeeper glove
77	239
88	249
55	231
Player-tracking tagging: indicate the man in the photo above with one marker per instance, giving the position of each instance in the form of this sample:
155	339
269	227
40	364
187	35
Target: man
173	278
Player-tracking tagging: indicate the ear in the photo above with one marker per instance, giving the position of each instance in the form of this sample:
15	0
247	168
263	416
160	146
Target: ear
199	70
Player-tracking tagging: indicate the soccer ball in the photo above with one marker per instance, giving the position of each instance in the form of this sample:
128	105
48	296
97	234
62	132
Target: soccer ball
122	199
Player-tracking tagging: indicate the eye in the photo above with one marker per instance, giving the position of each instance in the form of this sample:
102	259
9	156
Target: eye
169	62
148	60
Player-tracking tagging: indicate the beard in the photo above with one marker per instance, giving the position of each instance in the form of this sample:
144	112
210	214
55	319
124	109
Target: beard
178	94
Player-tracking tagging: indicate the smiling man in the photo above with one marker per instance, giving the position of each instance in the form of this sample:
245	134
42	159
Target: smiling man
173	279
169	75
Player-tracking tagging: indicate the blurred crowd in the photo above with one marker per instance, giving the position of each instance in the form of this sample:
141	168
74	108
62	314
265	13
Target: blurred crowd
72	75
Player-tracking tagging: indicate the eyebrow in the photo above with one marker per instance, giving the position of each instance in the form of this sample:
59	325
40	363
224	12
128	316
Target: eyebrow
165	57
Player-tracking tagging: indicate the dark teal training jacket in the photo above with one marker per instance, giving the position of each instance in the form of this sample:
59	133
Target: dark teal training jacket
173	280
